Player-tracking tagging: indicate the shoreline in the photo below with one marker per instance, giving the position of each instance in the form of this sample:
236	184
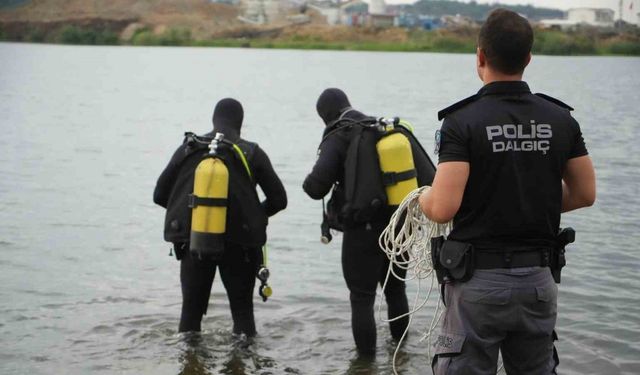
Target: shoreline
292	46
582	42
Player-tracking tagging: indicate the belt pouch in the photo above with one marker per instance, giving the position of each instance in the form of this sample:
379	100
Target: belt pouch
457	259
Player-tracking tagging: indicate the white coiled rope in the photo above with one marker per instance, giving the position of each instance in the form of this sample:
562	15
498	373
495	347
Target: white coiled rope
407	243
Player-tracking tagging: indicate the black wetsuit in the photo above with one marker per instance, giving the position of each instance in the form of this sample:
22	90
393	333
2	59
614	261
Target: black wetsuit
364	265
239	263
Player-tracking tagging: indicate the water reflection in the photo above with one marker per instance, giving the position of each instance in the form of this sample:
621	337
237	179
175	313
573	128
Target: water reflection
113	306
363	365
384	361
236	354
381	364
193	359
192	364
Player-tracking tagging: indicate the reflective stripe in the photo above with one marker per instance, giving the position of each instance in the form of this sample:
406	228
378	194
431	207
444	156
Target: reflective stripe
264	255
243	159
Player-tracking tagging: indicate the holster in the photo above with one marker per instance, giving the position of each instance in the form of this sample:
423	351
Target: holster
565	236
436	246
452	260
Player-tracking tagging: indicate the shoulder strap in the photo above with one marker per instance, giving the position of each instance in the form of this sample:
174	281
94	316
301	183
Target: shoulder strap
555	101
350	168
245	155
191	144
454	107
243	159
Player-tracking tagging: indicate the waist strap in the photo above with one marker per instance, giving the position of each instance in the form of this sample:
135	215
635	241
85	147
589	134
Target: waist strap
392	178
195	201
534	258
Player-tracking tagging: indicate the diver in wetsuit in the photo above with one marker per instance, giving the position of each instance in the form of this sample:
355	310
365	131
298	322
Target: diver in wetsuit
246	223
364	265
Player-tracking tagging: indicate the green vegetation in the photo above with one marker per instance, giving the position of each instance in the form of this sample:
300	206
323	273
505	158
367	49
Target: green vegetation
437	45
547	42
35	35
622	48
454	44
559	43
76	35
171	37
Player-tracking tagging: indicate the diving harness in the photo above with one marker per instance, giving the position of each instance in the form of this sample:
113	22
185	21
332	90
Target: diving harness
394	158
211	183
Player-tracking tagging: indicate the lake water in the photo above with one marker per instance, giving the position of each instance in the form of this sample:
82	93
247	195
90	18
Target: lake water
86	283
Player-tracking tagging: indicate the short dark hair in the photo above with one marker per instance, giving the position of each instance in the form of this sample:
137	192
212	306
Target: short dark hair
506	39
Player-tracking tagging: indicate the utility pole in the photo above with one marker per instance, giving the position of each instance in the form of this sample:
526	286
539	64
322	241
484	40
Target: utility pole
620	13
619	23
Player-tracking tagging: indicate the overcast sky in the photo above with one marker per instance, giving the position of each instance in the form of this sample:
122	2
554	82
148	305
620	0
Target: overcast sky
628	14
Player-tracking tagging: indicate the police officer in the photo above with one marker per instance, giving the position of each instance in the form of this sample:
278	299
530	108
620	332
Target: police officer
242	255
509	163
364	266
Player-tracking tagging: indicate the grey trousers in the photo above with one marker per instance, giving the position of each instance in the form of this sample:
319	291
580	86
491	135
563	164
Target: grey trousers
508	310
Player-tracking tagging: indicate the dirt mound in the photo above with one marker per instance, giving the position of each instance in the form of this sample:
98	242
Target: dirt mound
202	17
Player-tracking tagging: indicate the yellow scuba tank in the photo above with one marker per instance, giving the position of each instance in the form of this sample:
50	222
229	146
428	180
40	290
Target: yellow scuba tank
396	164
209	203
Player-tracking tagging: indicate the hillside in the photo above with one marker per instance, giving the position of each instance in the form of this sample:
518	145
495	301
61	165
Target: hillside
206	16
202	23
201	17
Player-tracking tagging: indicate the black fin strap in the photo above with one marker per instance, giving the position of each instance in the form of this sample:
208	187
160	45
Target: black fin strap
195	201
392	178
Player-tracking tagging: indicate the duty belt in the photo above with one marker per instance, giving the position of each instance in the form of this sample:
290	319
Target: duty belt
513	259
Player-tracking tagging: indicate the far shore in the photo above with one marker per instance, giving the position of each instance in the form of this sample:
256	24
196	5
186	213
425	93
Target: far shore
585	42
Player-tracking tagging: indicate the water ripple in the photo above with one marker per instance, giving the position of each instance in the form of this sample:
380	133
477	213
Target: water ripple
68	279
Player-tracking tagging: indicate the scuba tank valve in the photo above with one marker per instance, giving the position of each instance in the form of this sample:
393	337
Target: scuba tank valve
215	142
386	124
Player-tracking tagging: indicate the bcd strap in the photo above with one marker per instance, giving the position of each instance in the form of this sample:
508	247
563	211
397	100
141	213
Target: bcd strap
392	178
351	168
243	159
195	201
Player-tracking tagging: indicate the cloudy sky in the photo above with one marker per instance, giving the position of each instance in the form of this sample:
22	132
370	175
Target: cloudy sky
628	14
